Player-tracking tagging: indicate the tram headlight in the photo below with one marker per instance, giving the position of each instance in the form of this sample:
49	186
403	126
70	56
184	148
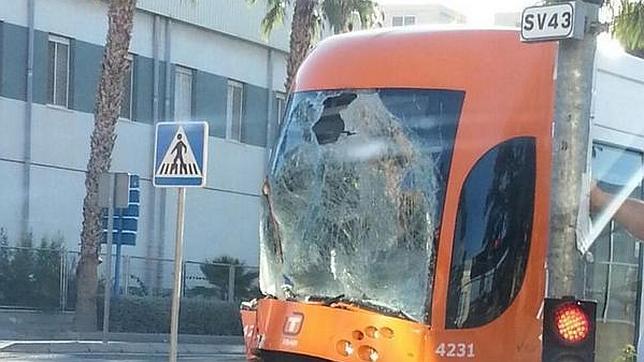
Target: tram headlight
344	348
368	354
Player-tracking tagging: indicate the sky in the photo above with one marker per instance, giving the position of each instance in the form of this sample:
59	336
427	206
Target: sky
478	12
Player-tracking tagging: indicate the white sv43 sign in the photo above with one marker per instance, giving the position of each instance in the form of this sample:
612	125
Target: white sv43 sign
549	22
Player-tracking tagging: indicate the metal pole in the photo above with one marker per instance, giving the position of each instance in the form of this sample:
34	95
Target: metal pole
63	296
63	278
178	258
126	272
153	198
270	113
575	64
231	283
117	262
183	280
26	191
117	268
160	242
108	261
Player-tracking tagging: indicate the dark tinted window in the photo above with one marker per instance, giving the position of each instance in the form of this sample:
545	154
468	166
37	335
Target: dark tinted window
492	234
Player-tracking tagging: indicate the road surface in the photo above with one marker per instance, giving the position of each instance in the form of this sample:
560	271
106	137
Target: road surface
115	357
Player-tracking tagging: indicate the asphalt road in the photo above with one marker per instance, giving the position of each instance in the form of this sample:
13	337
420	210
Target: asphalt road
116	357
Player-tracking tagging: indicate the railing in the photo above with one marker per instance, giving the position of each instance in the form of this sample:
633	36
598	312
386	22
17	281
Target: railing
45	279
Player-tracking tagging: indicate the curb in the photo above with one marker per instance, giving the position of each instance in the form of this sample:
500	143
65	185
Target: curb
122	337
59	347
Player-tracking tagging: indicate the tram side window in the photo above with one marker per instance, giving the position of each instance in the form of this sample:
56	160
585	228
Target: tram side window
492	234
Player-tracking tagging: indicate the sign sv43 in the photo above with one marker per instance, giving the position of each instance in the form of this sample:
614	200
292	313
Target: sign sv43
550	22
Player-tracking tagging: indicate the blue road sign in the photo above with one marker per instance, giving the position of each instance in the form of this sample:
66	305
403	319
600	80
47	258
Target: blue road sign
126	221
180	154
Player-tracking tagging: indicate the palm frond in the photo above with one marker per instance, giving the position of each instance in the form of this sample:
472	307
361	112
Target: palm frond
318	24
335	12
628	26
338	13
275	12
368	11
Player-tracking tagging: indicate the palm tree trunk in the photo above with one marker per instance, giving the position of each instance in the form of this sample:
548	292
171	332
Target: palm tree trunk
108	104
301	34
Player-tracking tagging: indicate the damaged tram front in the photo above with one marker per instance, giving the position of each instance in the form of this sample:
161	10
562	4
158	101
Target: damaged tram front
401	219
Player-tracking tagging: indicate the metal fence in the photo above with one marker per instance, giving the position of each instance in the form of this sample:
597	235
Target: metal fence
38	278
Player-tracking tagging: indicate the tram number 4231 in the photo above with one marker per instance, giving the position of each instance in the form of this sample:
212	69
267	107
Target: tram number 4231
455	350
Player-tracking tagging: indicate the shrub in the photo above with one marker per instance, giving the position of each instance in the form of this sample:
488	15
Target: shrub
30	277
152	315
628	354
5	266
216	272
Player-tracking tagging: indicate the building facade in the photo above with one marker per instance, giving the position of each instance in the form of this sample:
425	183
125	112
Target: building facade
200	60
404	13
613	269
511	19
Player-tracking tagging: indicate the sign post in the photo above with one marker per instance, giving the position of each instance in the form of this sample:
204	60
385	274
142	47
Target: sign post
178	278
576	25
111	195
180	160
107	188
125	219
127	227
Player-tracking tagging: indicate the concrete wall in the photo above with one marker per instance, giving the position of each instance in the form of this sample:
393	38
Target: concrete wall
237	17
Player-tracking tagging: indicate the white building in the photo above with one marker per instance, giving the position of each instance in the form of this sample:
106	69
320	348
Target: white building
511	19
201	60
412	12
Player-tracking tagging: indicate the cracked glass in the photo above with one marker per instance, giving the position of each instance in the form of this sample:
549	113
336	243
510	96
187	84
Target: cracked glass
353	201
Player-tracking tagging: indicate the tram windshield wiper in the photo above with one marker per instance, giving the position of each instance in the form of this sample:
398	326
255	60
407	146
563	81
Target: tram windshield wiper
366	304
325	300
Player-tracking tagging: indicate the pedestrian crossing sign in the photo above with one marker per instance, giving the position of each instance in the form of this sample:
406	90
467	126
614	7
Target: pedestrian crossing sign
181	154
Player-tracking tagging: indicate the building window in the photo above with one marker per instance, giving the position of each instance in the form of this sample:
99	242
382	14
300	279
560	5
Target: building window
128	85
183	94
280	104
58	77
403	20
613	266
492	234
234	110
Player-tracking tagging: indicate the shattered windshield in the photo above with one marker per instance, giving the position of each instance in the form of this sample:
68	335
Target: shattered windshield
354	198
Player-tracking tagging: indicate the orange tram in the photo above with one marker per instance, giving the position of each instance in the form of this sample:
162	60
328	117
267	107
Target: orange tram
405	213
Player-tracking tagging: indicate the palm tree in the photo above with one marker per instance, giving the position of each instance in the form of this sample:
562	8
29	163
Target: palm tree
245	282
307	17
338	13
628	26
108	104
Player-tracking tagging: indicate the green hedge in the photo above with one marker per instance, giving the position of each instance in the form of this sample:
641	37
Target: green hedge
152	315
30	277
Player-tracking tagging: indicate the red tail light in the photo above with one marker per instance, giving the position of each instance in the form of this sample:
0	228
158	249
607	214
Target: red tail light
571	322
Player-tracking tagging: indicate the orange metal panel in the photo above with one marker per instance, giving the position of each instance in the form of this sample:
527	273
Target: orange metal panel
316	330
248	318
